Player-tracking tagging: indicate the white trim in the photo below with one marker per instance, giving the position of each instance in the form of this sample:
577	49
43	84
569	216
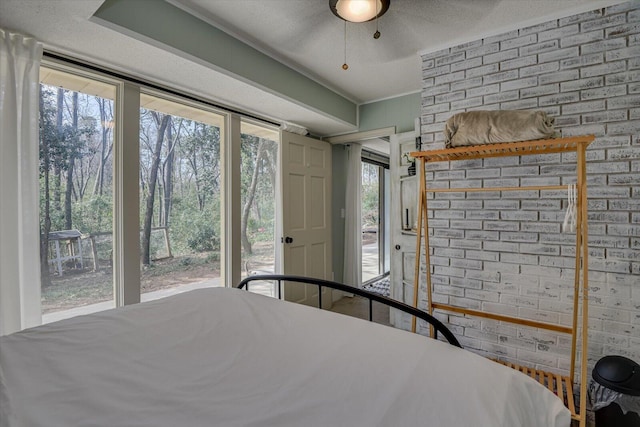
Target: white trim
230	255
400	95
360	136
126	196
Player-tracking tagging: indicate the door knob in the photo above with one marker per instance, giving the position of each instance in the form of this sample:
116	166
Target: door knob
288	239
397	247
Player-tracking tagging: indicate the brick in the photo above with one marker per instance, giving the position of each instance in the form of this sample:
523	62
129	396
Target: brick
539	69
450	77
501	226
428	63
562	98
624	102
519	62
450	96
622	30
523	40
624	128
436	71
466	103
499	56
546	46
602	46
629	52
599	70
582	61
522	104
501	37
500	77
558	33
625	205
603	92
448	59
482	71
559	54
436	90
501	97
583	107
586	16
626	77
432	55
622	7
466	46
466	64
579	84
466	84
607	21
519	84
485	49
581	38
562	76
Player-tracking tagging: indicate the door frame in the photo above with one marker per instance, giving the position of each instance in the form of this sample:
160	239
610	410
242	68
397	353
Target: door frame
355	137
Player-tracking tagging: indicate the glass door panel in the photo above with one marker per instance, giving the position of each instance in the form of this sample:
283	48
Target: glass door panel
180	179
77	122
370	221
259	169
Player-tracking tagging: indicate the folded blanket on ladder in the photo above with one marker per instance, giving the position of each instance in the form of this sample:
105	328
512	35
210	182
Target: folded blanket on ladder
489	127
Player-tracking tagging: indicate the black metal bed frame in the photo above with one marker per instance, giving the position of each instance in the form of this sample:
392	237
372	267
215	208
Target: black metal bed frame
438	326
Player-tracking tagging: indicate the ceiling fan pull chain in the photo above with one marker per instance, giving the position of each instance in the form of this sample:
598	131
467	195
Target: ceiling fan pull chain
345	66
376	35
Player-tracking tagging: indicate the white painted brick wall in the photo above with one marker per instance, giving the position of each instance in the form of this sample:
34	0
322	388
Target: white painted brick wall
506	253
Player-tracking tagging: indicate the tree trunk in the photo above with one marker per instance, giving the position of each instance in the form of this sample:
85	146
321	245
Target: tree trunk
72	157
98	185
168	178
57	165
153	178
251	192
46	223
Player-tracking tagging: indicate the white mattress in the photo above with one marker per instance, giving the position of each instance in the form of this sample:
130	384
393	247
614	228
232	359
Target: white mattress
225	357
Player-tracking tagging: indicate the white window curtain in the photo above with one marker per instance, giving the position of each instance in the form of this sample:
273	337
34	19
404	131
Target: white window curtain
353	218
19	199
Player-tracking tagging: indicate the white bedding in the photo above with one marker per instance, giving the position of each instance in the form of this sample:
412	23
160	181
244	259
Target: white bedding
225	357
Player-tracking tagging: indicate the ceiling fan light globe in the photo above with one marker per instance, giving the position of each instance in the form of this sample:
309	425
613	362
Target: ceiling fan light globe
358	10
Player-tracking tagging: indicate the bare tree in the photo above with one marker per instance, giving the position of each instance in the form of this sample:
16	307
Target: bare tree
70	166
248	203
162	121
106	120
45	164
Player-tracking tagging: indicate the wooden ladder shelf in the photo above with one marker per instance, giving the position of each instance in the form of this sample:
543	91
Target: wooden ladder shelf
562	386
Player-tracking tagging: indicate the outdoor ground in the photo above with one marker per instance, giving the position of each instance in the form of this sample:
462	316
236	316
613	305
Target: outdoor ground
81	287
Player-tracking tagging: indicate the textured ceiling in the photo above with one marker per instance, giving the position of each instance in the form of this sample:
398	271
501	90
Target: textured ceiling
303	34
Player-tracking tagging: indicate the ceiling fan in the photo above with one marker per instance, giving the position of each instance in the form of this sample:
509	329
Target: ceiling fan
358	11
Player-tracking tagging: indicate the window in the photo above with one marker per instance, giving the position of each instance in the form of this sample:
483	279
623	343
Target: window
92	204
259	168
77	120
180	185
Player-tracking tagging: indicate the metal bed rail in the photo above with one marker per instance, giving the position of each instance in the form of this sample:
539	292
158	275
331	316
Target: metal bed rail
438	326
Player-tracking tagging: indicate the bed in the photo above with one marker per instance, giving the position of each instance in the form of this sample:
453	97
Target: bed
228	357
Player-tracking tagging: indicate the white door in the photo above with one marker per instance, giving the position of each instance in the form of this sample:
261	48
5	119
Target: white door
404	203
306	215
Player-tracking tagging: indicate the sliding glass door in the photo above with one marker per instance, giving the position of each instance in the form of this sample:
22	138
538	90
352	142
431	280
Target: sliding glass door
375	230
77	121
180	178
